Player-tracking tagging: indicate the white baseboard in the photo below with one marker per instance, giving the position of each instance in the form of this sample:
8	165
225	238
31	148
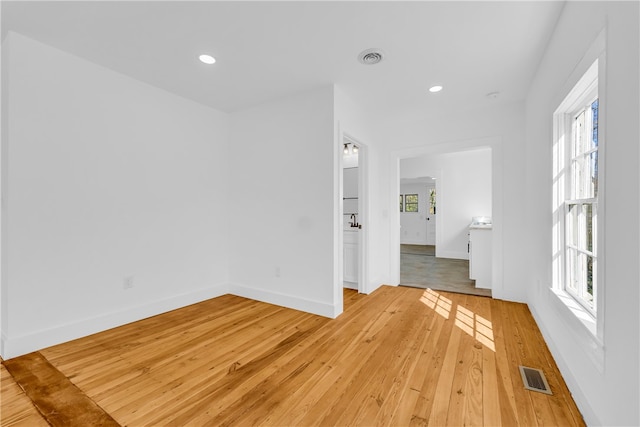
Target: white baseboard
451	254
14	347
413	242
283	300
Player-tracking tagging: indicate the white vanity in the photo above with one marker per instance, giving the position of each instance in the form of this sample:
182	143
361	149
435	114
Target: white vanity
350	269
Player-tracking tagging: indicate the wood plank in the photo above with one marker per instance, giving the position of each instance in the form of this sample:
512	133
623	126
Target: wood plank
444	386
490	391
57	399
506	393
435	353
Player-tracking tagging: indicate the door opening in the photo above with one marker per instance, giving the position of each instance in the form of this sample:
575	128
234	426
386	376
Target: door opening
441	192
354	214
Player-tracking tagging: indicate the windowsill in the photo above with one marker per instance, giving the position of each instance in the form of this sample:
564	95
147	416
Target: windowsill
583	321
586	318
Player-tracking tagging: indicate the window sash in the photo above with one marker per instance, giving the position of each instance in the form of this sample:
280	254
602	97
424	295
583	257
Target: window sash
581	207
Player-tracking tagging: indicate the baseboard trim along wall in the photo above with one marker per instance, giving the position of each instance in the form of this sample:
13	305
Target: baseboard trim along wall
452	254
296	303
14	347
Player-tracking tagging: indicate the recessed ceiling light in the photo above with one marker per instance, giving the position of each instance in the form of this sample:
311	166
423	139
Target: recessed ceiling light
436	88
207	59
493	95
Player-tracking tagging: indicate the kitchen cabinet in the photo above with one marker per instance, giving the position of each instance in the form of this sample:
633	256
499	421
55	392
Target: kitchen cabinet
350	256
480	259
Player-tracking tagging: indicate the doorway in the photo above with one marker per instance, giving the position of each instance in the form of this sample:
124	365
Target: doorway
417	221
354	214
441	193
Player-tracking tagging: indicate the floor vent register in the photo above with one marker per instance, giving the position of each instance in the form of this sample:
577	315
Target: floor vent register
534	380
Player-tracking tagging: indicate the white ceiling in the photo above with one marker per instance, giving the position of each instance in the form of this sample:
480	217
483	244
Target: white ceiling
266	50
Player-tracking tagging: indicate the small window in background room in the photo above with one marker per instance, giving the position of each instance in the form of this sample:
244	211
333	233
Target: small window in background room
411	203
401	204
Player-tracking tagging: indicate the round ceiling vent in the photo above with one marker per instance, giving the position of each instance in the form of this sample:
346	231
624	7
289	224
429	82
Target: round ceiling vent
371	56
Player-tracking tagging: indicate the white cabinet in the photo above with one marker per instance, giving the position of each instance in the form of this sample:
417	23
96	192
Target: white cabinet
350	265
480	256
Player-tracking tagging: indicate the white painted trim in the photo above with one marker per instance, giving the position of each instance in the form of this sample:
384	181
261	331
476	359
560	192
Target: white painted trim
451	254
338	221
413	242
288	301
17	346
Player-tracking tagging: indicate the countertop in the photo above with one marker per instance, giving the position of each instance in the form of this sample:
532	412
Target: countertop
480	226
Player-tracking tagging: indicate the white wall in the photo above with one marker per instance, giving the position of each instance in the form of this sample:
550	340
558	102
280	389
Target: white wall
464	190
104	177
603	376
282	203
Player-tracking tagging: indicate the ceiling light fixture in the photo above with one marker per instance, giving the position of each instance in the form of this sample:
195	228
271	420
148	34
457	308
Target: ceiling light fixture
354	150
434	89
493	95
346	149
371	56
207	59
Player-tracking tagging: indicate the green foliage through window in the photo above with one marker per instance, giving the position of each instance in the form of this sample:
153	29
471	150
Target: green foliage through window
432	201
411	203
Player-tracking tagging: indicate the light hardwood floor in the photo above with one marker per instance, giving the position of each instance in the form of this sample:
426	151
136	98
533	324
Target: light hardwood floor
400	356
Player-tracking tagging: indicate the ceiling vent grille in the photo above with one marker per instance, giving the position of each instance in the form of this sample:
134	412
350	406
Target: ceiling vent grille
534	380
371	56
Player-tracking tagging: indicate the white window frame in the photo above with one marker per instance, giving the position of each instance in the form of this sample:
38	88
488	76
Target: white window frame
583	93
580	295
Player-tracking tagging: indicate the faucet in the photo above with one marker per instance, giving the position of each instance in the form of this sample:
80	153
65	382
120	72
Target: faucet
355	220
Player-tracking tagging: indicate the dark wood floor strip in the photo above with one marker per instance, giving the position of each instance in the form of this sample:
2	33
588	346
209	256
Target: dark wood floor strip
56	397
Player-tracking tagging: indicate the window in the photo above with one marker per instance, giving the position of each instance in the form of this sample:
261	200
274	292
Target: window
432	201
411	203
576	192
401	204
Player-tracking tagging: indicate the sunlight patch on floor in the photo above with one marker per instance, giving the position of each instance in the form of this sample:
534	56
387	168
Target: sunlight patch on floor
437	302
469	322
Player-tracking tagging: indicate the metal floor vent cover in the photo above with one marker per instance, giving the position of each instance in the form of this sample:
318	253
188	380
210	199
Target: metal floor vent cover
534	380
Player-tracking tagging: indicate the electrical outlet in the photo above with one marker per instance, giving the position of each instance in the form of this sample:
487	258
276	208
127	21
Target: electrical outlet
127	282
